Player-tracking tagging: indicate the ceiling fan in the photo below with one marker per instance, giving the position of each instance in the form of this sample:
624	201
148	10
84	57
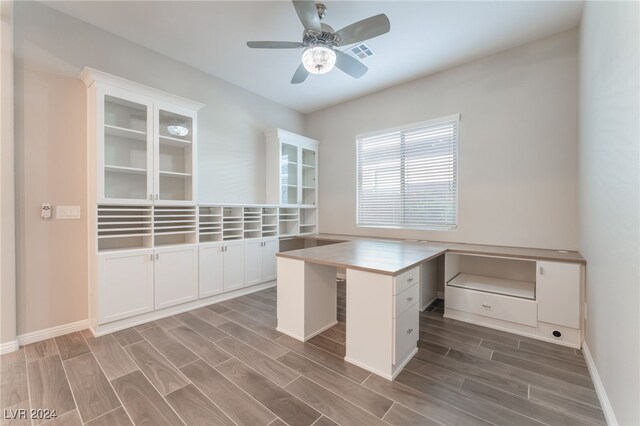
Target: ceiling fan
320	41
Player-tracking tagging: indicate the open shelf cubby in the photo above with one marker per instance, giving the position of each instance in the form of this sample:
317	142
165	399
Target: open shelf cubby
124	227
174	225
210	223
252	222
288	221
505	276
232	226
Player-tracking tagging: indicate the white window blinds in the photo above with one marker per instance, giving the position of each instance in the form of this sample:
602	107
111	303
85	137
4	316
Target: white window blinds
408	177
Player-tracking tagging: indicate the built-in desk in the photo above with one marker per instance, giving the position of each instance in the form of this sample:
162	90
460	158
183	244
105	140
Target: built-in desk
381	298
533	292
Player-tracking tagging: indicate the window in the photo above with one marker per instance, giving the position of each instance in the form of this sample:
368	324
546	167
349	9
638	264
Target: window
407	177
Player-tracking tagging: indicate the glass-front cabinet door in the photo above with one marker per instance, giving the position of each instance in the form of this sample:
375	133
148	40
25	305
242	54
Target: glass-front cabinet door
308	177
125	173
289	161
175	156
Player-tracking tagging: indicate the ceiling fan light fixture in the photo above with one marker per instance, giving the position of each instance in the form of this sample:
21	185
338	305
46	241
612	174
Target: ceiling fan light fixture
318	59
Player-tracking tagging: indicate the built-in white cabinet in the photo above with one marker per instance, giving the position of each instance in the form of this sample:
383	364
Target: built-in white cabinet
233	265
125	284
538	298
176	275
558	293
292	169
142	142
260	260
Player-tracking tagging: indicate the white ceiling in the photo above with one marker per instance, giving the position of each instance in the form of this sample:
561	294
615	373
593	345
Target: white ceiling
425	36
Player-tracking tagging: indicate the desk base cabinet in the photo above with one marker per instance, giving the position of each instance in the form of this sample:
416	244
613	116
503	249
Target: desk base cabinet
382	331
540	299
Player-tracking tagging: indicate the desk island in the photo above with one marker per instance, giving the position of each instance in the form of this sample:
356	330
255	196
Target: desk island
381	298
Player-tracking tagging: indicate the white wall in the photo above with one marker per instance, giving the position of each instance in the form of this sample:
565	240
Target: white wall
518	168
7	203
50	51
610	197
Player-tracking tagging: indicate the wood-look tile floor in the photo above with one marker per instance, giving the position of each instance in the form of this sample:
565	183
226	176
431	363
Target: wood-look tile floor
226	364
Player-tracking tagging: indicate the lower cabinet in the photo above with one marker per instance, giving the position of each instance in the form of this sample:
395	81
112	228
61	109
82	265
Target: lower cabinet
175	271
260	260
125	284
221	267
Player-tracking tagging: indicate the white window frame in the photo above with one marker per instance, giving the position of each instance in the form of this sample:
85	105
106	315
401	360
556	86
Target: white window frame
426	227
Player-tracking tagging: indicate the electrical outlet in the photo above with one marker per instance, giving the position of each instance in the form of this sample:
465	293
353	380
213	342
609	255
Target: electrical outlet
45	210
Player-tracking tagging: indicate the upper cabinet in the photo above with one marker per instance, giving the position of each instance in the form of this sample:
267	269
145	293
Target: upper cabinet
143	142
292	169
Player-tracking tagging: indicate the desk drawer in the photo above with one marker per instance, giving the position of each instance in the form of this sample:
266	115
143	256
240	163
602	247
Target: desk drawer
404	300
505	308
405	329
406	280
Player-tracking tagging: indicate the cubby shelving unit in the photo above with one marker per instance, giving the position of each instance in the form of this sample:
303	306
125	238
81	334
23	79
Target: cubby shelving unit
232	226
288	221
252	222
269	221
210	223
174	225
308	220
124	227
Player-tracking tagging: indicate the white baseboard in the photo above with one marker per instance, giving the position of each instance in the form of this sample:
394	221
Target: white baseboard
56	331
9	346
600	390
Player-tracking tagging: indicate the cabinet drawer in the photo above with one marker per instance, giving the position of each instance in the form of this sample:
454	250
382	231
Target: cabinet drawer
406	280
405	329
505	308
405	300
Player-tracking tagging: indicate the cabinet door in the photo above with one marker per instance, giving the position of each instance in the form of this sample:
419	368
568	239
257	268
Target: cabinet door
125	285
289	171
210	266
175	276
175	151
124	150
558	293
233	265
252	262
269	250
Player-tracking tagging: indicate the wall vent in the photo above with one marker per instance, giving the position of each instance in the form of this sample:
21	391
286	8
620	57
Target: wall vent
360	51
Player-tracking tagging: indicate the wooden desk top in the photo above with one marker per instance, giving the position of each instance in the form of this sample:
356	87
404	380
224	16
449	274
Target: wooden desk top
381	257
477	249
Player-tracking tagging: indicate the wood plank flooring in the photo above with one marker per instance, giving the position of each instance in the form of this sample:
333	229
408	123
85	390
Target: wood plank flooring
226	364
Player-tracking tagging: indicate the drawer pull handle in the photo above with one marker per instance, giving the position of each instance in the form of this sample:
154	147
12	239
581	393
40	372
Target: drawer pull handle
409	280
409	331
486	306
409	299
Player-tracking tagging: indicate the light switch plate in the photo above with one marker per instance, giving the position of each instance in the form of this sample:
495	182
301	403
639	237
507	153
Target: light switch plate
67	212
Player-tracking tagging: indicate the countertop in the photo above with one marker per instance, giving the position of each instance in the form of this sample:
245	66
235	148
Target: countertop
462	248
381	257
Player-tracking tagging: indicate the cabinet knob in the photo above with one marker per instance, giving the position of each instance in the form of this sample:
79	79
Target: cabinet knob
541	269
157	197
409	331
157	256
486	306
151	257
409	299
409	280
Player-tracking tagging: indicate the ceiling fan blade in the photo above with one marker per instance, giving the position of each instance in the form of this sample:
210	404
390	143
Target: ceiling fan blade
308	14
274	44
365	29
300	75
350	65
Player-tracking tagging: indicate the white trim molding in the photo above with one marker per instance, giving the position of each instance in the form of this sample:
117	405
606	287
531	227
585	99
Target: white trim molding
9	346
48	333
609	415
